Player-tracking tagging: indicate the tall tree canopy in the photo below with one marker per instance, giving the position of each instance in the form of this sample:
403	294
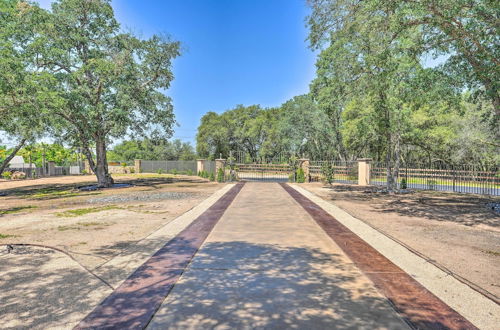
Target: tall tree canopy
24	88
109	82
371	82
465	32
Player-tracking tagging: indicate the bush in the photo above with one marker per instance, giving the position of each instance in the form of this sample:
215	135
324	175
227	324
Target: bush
291	177
220	175
301	177
6	175
211	176
431	184
403	183
328	171
174	171
84	172
132	170
189	172
159	171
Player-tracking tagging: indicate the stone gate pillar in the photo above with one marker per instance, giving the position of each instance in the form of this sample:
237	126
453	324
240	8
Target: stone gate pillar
200	165
219	163
138	165
304	164
364	171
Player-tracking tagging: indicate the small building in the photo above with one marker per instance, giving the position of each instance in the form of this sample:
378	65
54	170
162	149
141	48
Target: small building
18	162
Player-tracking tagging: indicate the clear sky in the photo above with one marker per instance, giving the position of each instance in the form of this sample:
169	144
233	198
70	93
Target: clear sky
234	52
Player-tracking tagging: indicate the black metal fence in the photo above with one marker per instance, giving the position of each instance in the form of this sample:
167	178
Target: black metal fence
344	171
473	179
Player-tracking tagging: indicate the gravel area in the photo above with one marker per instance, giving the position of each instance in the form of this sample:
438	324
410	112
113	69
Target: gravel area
142	196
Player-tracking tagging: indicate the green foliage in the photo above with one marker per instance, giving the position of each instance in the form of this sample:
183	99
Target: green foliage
174	171
220	175
291	176
53	152
211	177
328	171
300	178
160	171
403	184
109	83
152	149
189	172
6	175
431	184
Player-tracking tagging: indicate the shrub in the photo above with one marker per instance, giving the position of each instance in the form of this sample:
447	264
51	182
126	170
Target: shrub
431	184
328	171
123	164
84	172
132	170
211	176
174	171
189	172
291	177
6	175
220	175
301	178
403	184
159	171
199	173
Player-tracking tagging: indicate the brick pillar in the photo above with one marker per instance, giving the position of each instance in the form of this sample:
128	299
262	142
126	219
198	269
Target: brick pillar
51	168
304	164
138	165
364	171
200	165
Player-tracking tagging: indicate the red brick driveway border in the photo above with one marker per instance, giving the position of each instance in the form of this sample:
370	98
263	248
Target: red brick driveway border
133	304
418	306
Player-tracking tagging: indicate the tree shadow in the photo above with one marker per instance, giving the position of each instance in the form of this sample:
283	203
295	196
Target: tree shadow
37	292
468	210
235	285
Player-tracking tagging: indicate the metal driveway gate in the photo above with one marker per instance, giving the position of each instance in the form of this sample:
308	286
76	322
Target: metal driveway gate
266	172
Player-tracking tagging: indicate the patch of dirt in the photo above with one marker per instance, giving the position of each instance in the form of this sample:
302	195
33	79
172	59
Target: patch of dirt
95	226
458	231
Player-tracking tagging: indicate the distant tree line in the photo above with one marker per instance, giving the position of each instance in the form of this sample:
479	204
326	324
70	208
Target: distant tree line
149	149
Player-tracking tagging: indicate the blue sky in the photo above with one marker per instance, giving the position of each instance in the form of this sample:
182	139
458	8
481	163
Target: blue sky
234	52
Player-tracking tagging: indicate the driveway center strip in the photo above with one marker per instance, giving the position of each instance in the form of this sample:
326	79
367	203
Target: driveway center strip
134	302
416	304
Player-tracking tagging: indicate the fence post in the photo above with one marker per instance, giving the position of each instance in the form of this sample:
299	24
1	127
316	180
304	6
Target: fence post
364	171
304	164
200	165
51	168
137	165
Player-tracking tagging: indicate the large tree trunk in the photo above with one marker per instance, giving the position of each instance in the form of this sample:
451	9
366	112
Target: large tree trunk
4	164
104	179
